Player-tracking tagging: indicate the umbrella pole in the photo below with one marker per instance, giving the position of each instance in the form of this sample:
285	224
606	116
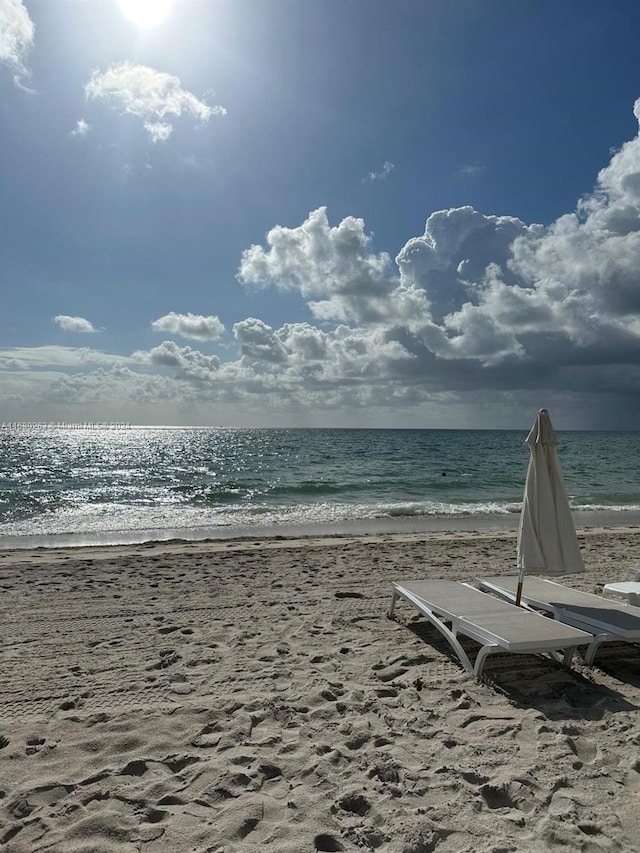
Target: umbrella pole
519	589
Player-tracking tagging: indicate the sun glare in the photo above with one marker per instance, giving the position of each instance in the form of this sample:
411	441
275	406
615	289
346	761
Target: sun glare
145	13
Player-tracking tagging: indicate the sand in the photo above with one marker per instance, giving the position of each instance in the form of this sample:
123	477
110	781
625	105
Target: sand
252	695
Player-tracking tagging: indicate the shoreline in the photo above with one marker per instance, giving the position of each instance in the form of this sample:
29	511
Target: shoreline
423	525
177	547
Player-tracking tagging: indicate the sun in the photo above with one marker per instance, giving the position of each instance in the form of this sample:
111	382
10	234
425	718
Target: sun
145	13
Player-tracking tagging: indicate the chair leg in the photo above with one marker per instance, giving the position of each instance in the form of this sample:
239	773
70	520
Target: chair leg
394	598
481	657
593	647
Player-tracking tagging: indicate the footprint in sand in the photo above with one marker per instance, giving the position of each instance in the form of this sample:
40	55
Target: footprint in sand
392	672
385	773
20	807
167	658
510	794
35	744
44	795
583	748
357	740
181	687
354	804
324	843
270	771
156	815
71	704
333	692
562	804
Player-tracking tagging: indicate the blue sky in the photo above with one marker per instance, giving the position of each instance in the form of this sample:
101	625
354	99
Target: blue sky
219	217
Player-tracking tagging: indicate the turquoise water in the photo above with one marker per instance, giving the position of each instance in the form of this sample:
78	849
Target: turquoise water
106	484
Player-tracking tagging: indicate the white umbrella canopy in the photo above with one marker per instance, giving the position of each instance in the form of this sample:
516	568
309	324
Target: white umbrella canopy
547	542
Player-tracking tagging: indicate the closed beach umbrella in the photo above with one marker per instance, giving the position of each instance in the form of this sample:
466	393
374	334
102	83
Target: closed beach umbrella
547	542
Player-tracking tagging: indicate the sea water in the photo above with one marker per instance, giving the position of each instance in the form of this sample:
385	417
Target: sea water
104	484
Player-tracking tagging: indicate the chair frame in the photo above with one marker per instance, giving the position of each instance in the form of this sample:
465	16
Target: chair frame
487	622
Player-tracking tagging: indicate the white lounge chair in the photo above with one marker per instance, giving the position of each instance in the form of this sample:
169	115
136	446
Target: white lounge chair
605	619
495	624
628	591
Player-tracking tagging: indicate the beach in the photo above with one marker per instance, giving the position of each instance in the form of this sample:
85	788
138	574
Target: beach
243	695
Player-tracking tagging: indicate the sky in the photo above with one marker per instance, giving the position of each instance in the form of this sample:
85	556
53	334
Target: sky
365	213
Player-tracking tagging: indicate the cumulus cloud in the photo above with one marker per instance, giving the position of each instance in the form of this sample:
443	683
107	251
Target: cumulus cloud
302	356
193	326
556	297
16	36
317	260
188	362
78	325
155	97
259	343
297	361
382	174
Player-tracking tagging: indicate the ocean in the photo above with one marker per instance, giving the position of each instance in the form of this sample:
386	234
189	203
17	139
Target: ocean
103	484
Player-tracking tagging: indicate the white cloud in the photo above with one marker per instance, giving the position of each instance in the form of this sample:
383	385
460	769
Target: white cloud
81	129
382	174
433	302
16	36
77	325
259	343
159	131
189	363
302	358
557	298
193	326
155	97
320	261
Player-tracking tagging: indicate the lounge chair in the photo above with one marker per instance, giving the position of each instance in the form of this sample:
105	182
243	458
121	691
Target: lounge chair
605	619
628	591
497	625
